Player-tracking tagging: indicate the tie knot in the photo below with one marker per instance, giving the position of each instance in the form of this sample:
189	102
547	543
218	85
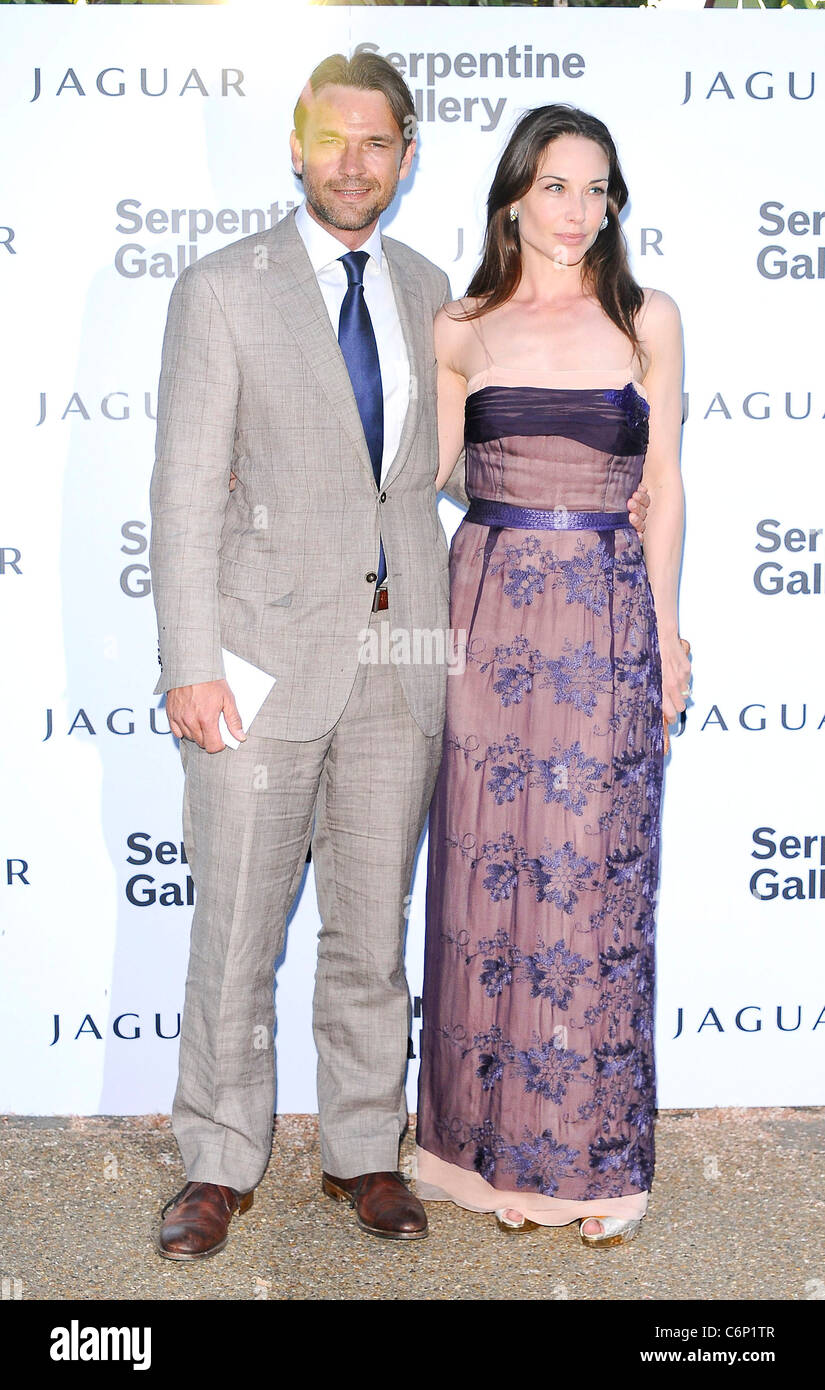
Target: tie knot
354	263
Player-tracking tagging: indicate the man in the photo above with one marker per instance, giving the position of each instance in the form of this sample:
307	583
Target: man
300	360
326	415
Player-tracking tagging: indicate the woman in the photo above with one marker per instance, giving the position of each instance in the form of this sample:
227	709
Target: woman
563	379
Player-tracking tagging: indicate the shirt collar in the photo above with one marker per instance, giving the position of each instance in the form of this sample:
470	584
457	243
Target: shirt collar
324	249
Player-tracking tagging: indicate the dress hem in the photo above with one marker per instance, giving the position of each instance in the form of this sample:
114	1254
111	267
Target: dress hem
439	1181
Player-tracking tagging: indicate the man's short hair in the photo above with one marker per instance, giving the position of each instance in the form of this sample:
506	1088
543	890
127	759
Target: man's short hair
371	73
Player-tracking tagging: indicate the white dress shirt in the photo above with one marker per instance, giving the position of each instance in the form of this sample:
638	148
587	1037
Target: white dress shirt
324	252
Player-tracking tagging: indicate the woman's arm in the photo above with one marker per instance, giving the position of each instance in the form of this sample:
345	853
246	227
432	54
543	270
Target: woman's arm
452	393
664	533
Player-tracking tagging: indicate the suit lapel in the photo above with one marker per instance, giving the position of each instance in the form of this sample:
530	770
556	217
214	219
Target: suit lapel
416	327
289	280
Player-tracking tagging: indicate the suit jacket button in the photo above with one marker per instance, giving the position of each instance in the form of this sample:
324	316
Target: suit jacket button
383	497
371	577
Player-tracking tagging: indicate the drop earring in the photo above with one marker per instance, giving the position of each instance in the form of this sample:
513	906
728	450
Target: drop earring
604	223
514	214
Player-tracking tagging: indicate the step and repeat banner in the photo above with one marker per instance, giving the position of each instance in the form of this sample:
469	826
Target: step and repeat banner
137	140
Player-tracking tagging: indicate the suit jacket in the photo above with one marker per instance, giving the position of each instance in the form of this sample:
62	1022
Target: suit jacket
281	570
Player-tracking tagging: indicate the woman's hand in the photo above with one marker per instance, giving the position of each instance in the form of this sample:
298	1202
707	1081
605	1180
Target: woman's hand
676	678
637	506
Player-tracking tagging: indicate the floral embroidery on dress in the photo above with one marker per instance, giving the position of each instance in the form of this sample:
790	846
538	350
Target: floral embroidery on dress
553	973
558	875
634	407
513	681
621	1154
586	576
539	1161
580	676
567	775
523	585
545	1068
549	1069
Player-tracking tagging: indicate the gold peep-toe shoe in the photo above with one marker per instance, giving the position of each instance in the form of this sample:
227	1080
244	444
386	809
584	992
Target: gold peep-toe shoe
614	1232
514	1228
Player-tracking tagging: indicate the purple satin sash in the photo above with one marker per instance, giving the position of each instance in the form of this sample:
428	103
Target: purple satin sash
501	514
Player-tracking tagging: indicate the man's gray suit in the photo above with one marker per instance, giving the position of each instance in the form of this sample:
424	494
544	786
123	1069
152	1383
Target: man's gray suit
281	571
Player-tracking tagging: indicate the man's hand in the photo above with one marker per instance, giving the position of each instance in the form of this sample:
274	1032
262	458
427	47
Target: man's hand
637	507
193	710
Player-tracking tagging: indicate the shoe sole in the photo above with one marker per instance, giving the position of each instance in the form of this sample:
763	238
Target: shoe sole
338	1194
606	1243
183	1258
201	1255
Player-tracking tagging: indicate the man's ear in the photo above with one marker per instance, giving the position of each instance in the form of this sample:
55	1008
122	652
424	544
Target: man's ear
406	161
297	152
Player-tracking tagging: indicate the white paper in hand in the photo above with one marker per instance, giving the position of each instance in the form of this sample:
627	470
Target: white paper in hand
250	686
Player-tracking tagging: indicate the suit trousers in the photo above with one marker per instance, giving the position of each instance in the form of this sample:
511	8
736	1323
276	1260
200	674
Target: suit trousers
360	795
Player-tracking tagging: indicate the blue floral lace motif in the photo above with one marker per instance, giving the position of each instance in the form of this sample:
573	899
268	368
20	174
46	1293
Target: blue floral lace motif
634	407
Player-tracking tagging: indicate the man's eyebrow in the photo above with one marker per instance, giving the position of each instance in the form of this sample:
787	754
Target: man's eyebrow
381	135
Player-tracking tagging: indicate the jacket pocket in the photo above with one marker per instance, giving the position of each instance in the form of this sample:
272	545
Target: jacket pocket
273	585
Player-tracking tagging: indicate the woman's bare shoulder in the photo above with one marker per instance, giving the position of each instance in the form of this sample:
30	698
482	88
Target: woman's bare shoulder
457	311
453	331
659	310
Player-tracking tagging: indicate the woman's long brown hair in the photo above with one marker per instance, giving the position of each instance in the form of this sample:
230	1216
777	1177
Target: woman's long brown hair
606	272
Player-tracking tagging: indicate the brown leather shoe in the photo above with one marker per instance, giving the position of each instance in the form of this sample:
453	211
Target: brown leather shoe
198	1220
383	1204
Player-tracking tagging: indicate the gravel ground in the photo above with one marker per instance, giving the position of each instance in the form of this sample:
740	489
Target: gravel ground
737	1212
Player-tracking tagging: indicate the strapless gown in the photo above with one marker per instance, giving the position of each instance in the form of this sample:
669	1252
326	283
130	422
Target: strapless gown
537	1086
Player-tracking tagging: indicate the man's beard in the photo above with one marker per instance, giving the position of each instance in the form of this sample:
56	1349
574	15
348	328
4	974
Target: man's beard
345	219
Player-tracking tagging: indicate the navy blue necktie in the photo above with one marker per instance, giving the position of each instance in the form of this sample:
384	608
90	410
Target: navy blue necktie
358	345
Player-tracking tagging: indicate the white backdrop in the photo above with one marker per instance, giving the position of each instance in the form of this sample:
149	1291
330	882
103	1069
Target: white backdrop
115	117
